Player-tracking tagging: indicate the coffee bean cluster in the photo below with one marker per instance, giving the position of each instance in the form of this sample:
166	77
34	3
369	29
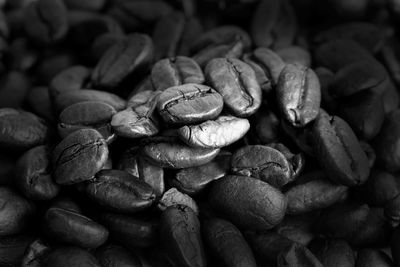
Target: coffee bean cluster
237	133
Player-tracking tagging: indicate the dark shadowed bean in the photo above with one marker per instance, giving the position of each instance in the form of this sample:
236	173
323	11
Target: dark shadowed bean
372	258
226	241
71	79
380	188
261	211
296	161
139	118
270	62
333	252
193	180
14	88
174	154
297	228
131	231
79	156
180	232
314	195
339	151
86	5
175	71
73	228
35	254
189	103
298	94
71	256
21	130
267	127
295	55
264	163
38	100
112	256
12	249
120	191
90	114
122	59
395	246
16	212
390	97
392	211
297	255
33	174
223	131
173	197
237	83
45	21
326	77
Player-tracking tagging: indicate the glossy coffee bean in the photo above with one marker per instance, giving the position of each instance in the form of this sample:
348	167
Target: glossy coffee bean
79	156
223	131
122	59
176	71
90	114
262	162
172	153
237	83
131	231
226	241
112	255
173	197
21	130
339	151
120	191
243	200
73	228
180	232
33	174
298	94
139	119
71	256
194	180
16	212
189	103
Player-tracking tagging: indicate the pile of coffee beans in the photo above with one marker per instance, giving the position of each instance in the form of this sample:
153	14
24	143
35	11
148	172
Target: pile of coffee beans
236	133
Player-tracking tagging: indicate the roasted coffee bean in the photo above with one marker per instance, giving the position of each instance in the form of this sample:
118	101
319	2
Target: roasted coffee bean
33	174
45	21
112	255
262	162
380	188
131	231
21	130
297	162
84	115
172	153
139	118
16	212
35	254
71	256
174	34
230	196
314	195
189	103
333	252
226	241
71	79
298	94
297	255
67	99
237	83
122	59
298	228
176	71
180	232
173	197
221	132
392	211
73	228
12	249
385	143
295	55
79	156
339	151
120	191
194	180
373	257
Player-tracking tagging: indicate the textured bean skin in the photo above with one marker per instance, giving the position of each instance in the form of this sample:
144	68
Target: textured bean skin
298	94
228	243
79	156
180	229
74	228
237	83
224	131
230	196
189	103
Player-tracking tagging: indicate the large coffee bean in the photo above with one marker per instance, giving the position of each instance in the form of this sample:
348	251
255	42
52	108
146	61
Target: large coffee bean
247	202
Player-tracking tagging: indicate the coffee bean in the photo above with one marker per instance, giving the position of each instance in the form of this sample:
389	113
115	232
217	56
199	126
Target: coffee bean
333	252
35	254
71	256
112	255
